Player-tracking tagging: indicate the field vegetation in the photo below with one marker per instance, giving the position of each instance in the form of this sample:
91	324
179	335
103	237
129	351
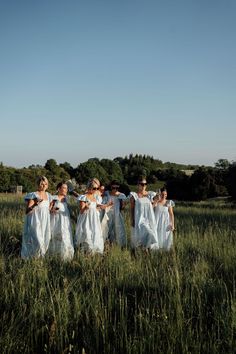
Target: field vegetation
183	301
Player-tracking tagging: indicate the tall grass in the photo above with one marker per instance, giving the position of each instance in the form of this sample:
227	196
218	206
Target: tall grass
183	301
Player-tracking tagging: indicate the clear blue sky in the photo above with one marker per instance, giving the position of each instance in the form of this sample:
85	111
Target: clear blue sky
106	78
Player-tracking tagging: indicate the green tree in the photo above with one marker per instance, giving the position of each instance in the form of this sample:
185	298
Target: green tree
113	170
202	184
232	181
90	169
51	166
5	180
68	168
222	164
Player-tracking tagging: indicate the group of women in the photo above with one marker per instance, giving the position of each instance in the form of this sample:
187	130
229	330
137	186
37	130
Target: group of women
100	221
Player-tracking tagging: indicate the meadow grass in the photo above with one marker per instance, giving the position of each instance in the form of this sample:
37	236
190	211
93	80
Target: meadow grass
183	301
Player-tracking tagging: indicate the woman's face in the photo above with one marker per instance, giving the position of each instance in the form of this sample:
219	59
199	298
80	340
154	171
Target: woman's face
142	184
63	190
43	185
164	195
93	188
115	188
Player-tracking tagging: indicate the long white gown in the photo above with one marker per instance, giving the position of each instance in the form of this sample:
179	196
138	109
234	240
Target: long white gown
163	222
61	243
37	232
115	230
144	231
88	235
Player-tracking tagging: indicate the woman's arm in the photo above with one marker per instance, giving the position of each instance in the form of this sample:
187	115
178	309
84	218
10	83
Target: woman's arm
122	204
31	204
132	206
83	206
172	218
52	208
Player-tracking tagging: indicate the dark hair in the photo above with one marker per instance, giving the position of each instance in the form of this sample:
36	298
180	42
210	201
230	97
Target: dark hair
163	189
114	182
141	178
60	184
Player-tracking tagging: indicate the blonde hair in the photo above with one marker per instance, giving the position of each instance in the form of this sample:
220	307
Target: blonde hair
41	179
96	181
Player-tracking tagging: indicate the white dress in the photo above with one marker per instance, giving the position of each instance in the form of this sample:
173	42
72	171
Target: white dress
88	235
115	230
144	231
165	235
61	243
36	233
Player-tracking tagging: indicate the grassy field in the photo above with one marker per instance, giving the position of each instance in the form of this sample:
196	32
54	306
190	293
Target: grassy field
183	301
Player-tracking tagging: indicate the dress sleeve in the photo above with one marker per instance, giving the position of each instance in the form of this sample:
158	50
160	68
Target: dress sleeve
122	196
134	195
105	199
98	199
29	196
151	195
82	198
170	203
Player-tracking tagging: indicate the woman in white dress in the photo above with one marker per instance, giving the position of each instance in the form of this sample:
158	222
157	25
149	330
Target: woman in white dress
88	235
143	226
164	215
115	201
97	189
61	243
37	233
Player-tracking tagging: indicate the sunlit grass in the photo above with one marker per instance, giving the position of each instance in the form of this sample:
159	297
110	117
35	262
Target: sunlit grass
183	301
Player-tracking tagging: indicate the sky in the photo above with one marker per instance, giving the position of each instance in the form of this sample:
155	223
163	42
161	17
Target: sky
106	78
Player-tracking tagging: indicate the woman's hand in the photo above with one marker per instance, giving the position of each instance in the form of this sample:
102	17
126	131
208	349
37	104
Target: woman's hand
32	204
84	206
54	210
170	228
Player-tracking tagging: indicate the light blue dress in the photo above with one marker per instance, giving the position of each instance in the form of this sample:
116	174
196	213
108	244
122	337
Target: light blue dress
88	235
61	243
115	230
144	232
37	232
163	222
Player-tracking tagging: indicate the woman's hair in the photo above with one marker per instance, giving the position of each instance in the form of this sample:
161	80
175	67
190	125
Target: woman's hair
60	184
141	178
41	179
95	180
91	182
163	189
114	182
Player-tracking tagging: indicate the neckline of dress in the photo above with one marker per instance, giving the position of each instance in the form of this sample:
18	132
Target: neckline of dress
45	200
143	196
164	203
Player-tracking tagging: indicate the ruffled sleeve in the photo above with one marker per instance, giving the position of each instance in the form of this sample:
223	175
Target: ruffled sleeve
170	203
134	195
122	196
151	195
105	198
82	198
98	199
54	197
29	196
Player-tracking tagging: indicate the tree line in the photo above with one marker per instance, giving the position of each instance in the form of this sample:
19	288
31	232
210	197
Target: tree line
204	181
